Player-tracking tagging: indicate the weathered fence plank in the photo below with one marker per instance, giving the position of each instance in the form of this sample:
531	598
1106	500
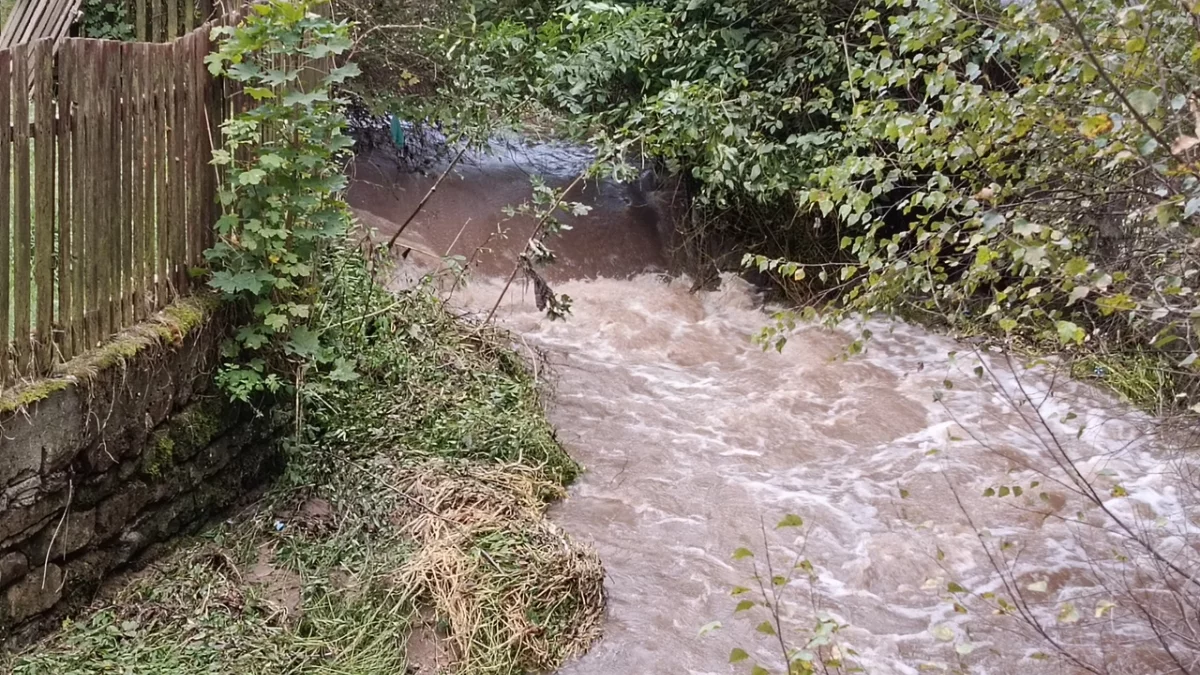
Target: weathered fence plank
161	153
64	244
5	213
73	52
42	71
22	233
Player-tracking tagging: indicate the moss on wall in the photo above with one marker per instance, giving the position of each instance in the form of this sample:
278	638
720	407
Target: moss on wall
167	328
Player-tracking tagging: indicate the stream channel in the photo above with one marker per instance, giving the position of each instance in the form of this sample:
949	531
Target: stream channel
691	436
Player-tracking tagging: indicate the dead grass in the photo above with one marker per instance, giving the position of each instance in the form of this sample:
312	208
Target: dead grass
516	593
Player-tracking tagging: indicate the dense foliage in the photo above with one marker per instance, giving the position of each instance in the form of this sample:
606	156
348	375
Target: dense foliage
105	19
1027	169
281	191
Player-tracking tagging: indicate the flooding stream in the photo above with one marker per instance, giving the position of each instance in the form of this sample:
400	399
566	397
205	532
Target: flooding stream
691	434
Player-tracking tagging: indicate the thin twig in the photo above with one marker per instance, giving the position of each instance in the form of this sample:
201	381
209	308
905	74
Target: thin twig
433	188
537	228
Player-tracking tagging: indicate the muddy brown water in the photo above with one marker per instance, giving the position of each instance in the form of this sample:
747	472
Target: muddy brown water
691	435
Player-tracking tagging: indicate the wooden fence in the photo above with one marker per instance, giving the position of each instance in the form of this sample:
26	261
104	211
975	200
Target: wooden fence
105	156
111	196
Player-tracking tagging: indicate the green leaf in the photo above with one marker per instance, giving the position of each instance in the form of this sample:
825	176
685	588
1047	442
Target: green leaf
305	342
251	176
1068	614
765	628
1068	332
1096	126
738	655
743	606
742	553
343	370
271	160
709	627
1144	101
1116	303
259	93
341	74
790	520
277	322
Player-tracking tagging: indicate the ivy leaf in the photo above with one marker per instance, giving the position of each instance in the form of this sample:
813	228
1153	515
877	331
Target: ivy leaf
742	553
743	606
765	628
738	655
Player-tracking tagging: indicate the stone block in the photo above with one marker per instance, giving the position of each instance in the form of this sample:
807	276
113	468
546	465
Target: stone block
16	520
58	426
33	594
63	537
23	492
13	566
119	509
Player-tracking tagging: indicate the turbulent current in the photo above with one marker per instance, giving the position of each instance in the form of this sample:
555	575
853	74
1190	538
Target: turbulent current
696	442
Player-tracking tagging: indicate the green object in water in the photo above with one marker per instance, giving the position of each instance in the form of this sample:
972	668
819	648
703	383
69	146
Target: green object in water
397	132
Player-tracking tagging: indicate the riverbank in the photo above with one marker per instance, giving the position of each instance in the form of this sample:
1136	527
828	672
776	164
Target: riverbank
409	535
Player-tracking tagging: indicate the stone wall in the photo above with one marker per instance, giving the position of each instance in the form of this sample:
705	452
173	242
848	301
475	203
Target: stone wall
128	446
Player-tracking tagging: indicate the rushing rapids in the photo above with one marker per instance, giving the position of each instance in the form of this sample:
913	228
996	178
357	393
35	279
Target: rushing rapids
693	437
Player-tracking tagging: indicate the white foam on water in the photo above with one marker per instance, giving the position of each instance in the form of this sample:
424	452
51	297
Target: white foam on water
692	435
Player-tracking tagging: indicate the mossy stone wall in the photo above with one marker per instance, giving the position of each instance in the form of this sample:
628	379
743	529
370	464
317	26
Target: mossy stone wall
127	447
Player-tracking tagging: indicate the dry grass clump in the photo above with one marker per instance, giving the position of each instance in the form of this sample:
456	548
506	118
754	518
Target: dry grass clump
513	592
510	590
